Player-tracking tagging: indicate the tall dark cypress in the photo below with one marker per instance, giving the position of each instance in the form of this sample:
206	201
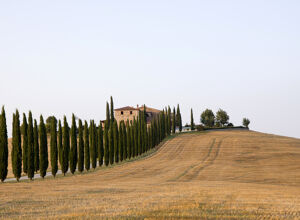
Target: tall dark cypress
100	145
116	141
16	155
66	147
192	120
163	125
111	145
86	147
159	129
139	146
163	121
169	121
128	140
131	139
92	145
174	121
96	141
112	110
156	133
73	152
136	139
53	147
146	137
142	118
80	147
121	142
25	143
150	137
124	135
30	152
178	119
3	146
43	148
106	144
36	147
107	115
59	144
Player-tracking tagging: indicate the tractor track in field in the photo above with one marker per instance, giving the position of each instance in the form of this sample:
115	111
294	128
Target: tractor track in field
193	171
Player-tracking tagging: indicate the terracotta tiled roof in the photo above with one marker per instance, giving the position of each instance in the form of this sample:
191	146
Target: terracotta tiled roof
148	109
126	108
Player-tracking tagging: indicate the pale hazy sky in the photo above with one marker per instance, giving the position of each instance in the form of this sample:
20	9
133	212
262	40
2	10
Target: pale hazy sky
59	57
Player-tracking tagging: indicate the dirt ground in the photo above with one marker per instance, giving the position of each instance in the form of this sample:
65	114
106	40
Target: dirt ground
207	175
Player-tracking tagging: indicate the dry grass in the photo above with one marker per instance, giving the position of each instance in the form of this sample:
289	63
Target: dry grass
211	175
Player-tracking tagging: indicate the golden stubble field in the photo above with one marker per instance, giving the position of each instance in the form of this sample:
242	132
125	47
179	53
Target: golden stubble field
210	175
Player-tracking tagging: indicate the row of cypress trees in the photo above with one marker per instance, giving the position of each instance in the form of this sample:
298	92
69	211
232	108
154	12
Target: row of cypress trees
80	147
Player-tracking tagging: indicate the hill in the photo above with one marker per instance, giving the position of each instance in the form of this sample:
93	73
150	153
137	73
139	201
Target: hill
212	175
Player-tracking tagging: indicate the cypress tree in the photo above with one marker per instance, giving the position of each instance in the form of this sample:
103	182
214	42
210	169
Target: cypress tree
192	120
36	147
100	145
92	145
95	141
3	146
178	118
132	140
163	125
173	121
25	143
43	148
121	141
128	140
96	133
139	137
153	133
136	139
112	110
156	134
30	152
59	144
111	145
169	121
16	155
116	141
150	136
106	144
53	147
80	147
159	129
107	115
65	147
146	138
124	135
86	147
73	152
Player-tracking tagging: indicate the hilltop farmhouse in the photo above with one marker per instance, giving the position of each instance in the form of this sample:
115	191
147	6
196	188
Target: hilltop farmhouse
129	113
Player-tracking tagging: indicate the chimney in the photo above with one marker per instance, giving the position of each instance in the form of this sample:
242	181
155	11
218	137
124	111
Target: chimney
137	106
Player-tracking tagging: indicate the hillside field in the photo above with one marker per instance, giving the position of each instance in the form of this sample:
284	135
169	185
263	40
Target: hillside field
198	175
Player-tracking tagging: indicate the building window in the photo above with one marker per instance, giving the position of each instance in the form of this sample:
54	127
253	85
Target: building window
131	112
121	112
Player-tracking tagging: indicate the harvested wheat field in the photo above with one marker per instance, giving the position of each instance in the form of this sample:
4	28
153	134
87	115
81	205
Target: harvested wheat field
207	175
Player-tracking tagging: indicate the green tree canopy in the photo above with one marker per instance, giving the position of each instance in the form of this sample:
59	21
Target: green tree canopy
222	118
208	118
246	122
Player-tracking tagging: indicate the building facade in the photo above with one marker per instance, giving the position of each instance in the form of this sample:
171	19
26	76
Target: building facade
129	113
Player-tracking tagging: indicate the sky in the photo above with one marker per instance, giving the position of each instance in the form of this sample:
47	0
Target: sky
62	57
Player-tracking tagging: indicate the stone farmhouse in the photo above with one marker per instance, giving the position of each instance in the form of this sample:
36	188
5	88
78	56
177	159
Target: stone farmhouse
129	113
